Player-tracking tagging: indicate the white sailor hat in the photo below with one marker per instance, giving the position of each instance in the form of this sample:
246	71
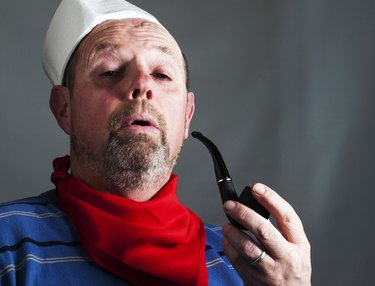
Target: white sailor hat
72	21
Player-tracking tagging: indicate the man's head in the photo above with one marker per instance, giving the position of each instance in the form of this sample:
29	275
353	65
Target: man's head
127	108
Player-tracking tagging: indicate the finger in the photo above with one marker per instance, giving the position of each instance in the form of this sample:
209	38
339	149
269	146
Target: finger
251	275
238	262
261	228
287	219
245	246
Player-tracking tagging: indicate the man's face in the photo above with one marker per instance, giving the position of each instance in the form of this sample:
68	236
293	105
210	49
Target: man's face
129	90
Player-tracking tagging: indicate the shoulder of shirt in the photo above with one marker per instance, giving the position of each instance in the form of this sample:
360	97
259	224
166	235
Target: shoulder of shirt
36	210
38	241
44	200
30	217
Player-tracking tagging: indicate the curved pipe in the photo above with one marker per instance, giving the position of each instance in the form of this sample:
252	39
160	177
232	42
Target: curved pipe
225	183
221	170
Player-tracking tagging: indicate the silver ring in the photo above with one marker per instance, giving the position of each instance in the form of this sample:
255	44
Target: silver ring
259	259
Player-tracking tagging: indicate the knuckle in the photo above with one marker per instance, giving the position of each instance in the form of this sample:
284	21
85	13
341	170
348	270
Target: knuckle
248	247
290	218
243	214
265	233
272	198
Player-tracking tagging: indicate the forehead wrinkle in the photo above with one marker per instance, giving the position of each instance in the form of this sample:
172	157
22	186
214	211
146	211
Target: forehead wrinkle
100	49
112	49
112	42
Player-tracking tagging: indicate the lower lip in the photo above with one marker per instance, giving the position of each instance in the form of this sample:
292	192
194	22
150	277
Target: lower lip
140	129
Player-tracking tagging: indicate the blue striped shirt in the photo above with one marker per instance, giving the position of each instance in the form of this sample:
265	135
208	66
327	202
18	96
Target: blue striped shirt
39	246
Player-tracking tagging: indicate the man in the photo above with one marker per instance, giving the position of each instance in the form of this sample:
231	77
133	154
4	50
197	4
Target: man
120	91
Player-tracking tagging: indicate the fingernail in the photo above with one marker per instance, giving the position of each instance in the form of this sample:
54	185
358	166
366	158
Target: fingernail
259	189
229	205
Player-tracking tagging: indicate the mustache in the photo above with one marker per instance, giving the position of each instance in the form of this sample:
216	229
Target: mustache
135	107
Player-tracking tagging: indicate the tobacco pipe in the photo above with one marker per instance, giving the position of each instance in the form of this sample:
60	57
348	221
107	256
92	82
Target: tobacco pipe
225	183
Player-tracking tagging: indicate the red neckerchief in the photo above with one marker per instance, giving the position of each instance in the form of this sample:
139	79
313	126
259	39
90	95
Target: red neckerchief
157	242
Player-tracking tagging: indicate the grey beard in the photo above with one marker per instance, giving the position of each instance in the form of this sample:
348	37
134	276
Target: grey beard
136	163
130	163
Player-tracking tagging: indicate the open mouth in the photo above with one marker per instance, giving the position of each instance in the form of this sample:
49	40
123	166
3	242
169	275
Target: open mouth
140	122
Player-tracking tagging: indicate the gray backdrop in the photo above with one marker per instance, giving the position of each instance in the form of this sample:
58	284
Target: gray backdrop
284	88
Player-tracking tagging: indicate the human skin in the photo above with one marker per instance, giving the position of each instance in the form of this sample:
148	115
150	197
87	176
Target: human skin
121	62
140	61
287	261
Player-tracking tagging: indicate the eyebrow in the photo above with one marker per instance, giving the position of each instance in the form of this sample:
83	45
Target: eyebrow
164	50
101	48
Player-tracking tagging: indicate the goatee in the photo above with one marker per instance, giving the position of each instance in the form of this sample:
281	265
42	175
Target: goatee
131	162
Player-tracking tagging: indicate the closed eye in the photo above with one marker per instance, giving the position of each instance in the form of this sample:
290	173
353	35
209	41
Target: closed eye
161	76
110	73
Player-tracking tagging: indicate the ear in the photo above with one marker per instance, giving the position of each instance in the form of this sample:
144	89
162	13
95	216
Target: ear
59	103
190	107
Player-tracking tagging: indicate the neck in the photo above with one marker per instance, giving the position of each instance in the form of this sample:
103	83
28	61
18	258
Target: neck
142	191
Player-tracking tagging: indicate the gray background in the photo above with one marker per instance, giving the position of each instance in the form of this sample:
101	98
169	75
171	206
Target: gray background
284	88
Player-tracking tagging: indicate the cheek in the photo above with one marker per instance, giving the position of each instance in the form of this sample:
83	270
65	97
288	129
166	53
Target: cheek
90	120
175	118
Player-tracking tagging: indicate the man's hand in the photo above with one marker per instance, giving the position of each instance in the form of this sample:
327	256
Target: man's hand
287	260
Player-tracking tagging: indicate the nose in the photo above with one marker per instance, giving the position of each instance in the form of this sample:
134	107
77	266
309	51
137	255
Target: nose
139	93
140	83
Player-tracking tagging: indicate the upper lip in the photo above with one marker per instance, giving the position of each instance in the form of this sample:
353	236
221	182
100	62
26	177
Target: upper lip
140	119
